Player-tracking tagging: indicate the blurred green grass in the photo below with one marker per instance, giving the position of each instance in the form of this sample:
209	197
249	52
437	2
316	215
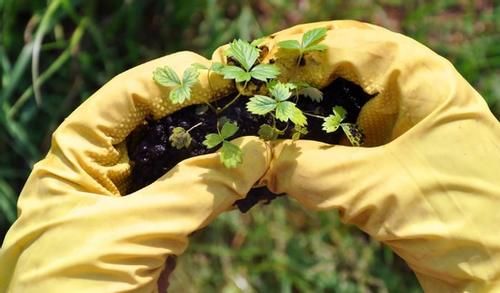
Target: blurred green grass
54	54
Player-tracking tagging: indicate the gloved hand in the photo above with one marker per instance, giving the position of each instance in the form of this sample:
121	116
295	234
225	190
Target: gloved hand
427	182
76	233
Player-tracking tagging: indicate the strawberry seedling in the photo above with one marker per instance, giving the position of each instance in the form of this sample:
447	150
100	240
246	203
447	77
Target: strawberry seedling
310	42
263	105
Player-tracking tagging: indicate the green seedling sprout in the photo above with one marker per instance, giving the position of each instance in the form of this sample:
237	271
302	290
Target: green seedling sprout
334	121
230	154
280	103
181	138
310	42
282	109
246	55
180	89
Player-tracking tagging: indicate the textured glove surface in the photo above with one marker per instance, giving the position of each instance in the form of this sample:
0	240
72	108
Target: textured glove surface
76	233
428	181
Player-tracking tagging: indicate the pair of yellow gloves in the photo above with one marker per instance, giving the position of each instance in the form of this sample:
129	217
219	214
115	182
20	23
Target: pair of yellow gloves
427	183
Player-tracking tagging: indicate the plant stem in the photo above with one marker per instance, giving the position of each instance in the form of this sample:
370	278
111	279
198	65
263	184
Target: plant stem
211	107
314	115
193	127
229	104
300	58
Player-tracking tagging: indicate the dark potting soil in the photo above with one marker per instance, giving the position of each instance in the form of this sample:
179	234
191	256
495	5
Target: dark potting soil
152	155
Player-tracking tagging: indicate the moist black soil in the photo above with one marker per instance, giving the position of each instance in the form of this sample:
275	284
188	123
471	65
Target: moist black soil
152	155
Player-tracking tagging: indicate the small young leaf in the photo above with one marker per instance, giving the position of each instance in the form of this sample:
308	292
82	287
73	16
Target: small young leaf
236	73
288	111
212	140
340	111
298	118
231	155
353	133
299	131
190	76
244	53
180	138
290	45
166	76
265	71
228	130
313	93
332	122
313	37
261	105
281	91
285	111
258	41
199	66
180	94
317	47
217	67
267	132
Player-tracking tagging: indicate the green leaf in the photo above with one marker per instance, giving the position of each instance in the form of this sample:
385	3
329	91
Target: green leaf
199	66
217	67
231	155
180	138
295	136
236	73
332	122
267	132
313	37
265	71
261	105
228	130
313	93
180	94
318	47
353	133
290	45
281	91
212	140
299	131
288	111
244	53
166	76
190	76
258	41
340	111
298	118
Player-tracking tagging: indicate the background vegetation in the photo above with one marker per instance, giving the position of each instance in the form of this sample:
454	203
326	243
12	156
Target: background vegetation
54	54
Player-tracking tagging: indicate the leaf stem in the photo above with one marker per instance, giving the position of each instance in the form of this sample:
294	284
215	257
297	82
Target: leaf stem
301	55
228	104
211	107
193	127
314	115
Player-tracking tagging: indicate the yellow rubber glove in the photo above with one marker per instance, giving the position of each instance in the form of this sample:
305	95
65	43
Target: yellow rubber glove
76	233
427	183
